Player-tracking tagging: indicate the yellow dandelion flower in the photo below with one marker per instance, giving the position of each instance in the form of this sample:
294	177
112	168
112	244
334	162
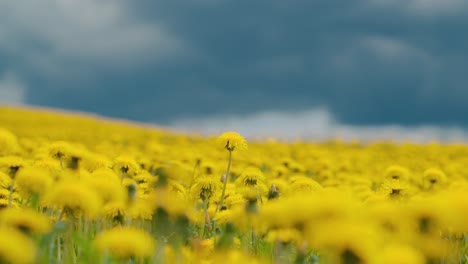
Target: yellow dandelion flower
234	199
304	184
4	203
251	176
141	209
204	187
401	254
115	210
93	162
8	142
126	165
75	197
433	178
396	172
12	164
109	189
395	189
51	165
125	242
33	180
60	150
105	174
232	141
170	201
26	220
16	247
5	180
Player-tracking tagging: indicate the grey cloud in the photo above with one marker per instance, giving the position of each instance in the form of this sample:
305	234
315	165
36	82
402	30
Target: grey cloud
56	36
369	62
12	89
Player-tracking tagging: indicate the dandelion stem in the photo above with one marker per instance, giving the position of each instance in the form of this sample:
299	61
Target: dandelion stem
59	250
207	217
226	179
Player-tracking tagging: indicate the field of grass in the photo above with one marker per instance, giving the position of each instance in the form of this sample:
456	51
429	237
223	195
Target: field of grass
77	189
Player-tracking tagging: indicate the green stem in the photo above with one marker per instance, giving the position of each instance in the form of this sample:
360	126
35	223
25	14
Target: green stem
207	218
59	250
221	201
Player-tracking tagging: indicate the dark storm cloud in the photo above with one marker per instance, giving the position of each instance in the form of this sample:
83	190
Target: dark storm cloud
368	62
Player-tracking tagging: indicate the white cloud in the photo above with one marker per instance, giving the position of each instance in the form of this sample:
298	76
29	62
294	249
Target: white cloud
389	48
48	33
425	7
315	124
12	89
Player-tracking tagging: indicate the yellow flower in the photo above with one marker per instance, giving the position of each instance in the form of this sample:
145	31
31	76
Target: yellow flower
204	187
59	149
33	180
114	210
401	254
76	197
433	178
8	142
126	164
25	220
11	165
396	172
5	180
109	189
49	164
251	176
93	162
16	247
395	189
126	242
304	184
232	141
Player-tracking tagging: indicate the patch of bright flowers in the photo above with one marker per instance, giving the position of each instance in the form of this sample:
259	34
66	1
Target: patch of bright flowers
77	189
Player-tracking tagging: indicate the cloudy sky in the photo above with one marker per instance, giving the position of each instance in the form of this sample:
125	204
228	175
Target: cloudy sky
318	69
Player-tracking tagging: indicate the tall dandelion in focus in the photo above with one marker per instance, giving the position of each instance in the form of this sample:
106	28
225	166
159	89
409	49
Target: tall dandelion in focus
230	141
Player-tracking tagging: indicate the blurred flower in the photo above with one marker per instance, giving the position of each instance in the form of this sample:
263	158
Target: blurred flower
26	220
34	180
125	243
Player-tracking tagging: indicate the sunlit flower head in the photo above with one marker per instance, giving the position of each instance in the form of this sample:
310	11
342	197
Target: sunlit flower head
32	180
60	149
16	247
126	164
8	143
232	141
401	254
251	176
396	172
125	243
26	220
433	178
11	165
204	187
74	197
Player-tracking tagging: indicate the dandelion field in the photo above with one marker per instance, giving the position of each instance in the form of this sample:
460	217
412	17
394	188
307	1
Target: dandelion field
77	189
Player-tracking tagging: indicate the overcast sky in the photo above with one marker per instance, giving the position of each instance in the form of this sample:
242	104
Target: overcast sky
209	65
